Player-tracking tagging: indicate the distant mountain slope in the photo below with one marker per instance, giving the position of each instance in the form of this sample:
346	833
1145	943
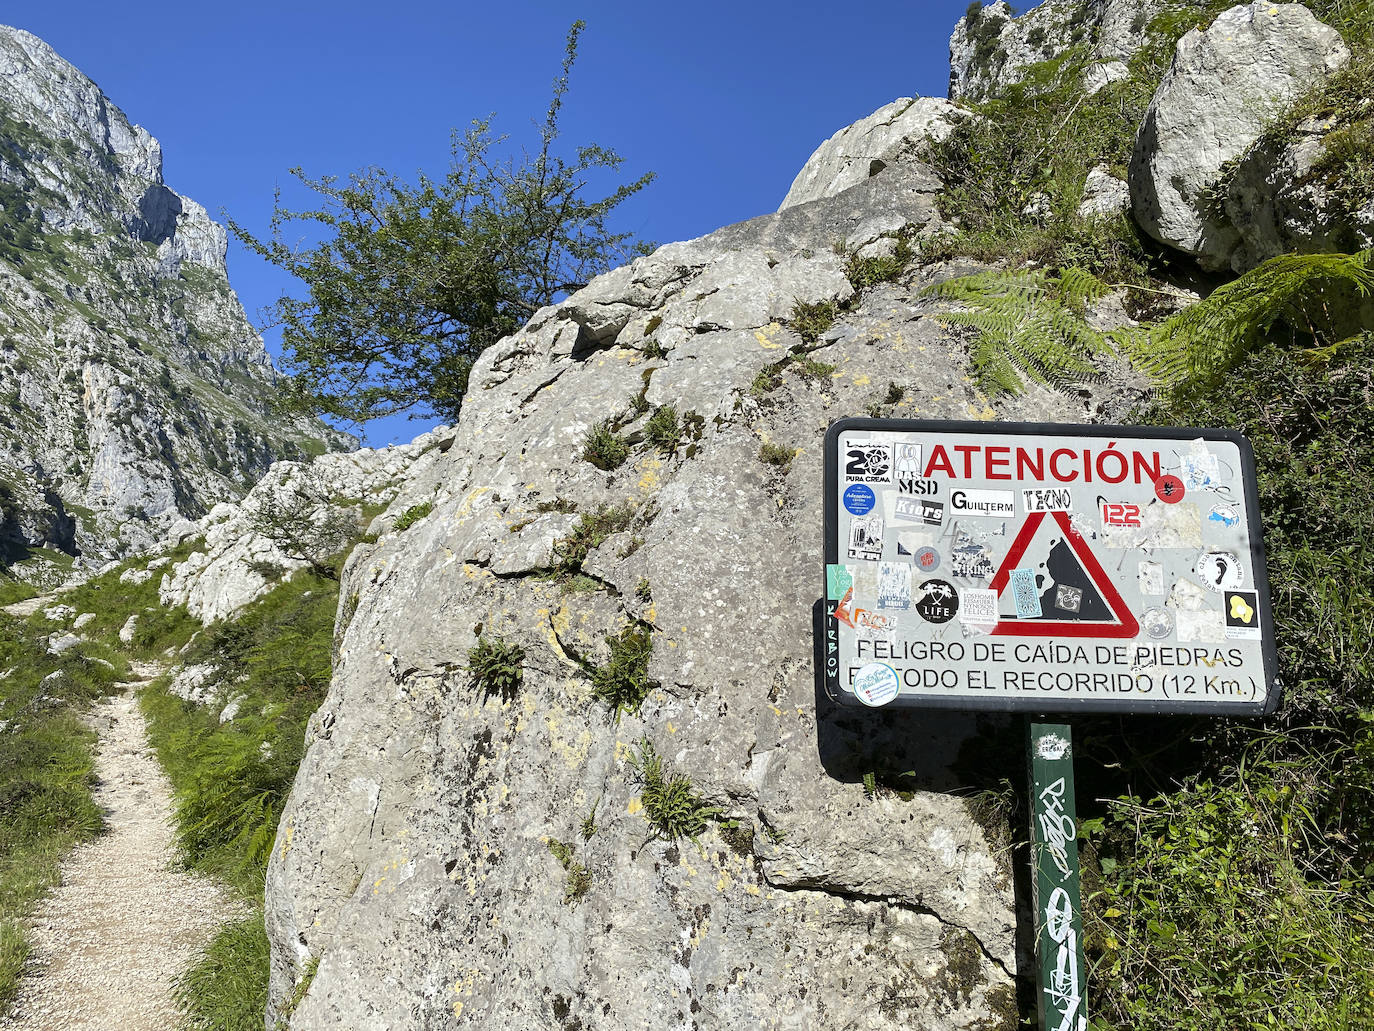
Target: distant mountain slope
135	391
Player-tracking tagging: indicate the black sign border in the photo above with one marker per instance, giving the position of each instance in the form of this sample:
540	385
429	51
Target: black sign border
1039	702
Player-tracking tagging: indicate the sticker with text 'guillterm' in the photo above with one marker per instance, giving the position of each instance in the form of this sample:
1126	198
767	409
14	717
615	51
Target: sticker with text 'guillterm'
1045	567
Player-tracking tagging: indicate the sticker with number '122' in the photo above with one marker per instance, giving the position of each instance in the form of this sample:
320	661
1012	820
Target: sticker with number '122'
1121	515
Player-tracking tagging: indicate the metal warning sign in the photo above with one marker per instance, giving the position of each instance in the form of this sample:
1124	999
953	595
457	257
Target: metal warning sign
1045	568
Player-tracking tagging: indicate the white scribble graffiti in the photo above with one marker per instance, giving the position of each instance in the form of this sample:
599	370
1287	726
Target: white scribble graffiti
1065	989
1056	826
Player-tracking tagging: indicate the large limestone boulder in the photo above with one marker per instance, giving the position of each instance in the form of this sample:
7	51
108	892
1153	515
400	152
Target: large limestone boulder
864	149
1225	84
424	858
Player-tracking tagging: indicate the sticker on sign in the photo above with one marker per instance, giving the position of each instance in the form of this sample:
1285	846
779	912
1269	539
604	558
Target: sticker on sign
1075	567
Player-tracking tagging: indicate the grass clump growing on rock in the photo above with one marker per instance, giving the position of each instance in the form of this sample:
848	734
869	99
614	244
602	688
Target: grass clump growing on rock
604	448
623	682
662	430
413	515
497	666
226	990
579	876
812	318
674	810
589	534
775	454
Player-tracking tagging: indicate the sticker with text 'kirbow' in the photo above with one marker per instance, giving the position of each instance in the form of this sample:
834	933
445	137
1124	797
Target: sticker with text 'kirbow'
1046	568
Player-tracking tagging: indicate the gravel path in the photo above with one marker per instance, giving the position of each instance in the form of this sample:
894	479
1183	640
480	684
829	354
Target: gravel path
125	920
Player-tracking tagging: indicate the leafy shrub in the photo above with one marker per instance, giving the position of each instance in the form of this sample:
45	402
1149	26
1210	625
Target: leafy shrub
623	682
413	515
604	448
497	666
1242	884
672	807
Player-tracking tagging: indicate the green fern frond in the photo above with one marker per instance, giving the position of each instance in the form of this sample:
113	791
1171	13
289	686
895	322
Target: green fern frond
1308	294
1029	322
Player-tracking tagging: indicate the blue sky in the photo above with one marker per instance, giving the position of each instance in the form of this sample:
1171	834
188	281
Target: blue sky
725	101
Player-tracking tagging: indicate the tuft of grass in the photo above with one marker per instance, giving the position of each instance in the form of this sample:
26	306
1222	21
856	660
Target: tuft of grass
589	534
226	990
811	319
662	430
674	810
589	827
810	369
642	590
497	666
864	273
767	380
623	682
298	993
604	448
653	349
413	515
775	454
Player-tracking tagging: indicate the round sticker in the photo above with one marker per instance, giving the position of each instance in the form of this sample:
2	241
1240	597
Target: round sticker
937	601
927	560
1169	489
858	499
876	684
1157	622
1223	514
1218	570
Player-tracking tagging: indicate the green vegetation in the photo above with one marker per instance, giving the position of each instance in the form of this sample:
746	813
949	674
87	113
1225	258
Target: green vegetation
497	666
589	534
226	990
1241	886
231	779
863	273
674	810
811	319
45	770
1034	321
623	682
604	448
662	430
776	454
579	876
413	281
413	515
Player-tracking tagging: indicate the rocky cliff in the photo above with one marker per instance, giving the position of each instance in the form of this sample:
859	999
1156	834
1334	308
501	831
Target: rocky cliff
136	392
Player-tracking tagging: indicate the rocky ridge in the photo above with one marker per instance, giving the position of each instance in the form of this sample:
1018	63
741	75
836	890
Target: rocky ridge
137	392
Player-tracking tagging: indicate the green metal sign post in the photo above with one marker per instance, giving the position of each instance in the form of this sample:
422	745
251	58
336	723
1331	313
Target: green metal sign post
1063	978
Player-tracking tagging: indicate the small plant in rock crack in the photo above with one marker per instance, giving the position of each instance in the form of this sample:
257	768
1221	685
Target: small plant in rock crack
604	448
579	877
672	808
662	430
654	349
623	682
413	515
497	666
812	318
776	454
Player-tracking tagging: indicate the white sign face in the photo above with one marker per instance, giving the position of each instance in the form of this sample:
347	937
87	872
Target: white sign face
1045	568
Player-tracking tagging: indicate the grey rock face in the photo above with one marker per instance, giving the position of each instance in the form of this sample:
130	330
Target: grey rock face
413	858
1279	202
992	49
138	393
1224	85
1104	195
862	150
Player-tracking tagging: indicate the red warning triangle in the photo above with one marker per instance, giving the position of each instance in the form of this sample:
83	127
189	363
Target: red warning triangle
1124	624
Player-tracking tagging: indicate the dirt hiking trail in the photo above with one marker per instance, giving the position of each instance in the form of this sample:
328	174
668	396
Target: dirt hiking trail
125	920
